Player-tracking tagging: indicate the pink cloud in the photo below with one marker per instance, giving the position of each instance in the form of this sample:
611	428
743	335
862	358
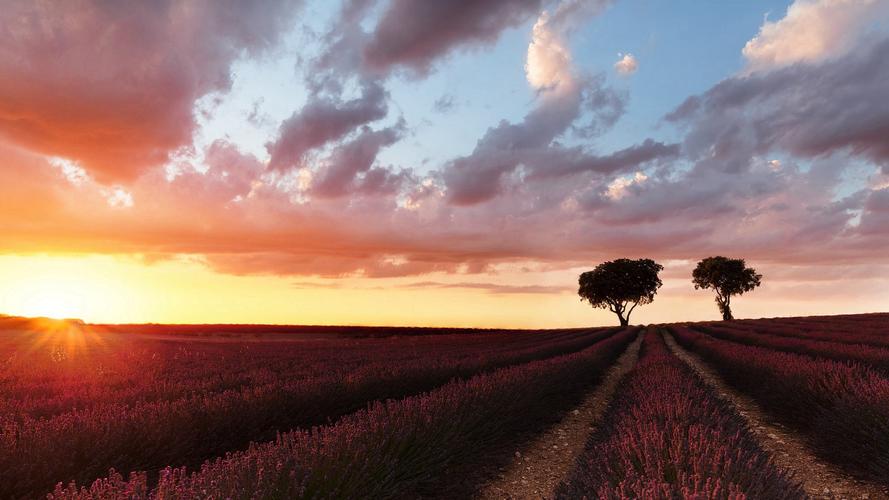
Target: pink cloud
812	31
626	65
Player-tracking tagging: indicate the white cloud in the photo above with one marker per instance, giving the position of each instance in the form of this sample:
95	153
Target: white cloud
73	172
618	187
812	30
549	59
115	196
118	197
549	65
878	182
626	65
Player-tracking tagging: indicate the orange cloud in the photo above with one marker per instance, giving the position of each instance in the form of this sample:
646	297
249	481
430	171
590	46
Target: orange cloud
113	86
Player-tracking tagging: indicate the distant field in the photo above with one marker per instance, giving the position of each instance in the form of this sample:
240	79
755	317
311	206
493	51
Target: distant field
358	412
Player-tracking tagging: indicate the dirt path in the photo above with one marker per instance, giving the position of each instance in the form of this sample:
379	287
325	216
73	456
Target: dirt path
537	470
820	480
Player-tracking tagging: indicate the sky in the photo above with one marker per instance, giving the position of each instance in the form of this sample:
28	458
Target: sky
404	162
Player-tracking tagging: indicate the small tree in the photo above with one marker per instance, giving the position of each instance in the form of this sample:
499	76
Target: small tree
726	277
614	285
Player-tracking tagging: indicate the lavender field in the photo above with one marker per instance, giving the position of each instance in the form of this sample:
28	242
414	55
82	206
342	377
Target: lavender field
91	411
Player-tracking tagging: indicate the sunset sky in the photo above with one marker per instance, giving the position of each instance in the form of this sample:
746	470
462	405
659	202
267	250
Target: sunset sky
453	163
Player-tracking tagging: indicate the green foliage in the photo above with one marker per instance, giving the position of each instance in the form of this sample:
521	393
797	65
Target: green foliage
615	284
727	277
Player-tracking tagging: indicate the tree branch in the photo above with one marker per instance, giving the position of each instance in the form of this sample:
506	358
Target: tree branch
631	310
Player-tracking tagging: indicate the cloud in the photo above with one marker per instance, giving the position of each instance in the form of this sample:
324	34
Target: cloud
549	59
413	35
875	215
482	175
445	103
812	31
618	187
314	285
239	220
323	120
491	169
626	65
537	189
339	174
562	91
113	86
119	197
548	63
575	161
494	288
408	35
807	110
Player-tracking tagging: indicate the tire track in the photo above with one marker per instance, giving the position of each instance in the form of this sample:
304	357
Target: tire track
537	470
790	452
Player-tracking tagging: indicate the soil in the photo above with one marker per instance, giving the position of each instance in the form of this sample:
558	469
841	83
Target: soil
789	449
536	470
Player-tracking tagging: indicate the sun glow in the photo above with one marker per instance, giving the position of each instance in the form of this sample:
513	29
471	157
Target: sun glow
52	300
112	289
57	287
65	340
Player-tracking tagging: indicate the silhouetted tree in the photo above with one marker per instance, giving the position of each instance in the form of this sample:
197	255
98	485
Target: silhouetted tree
616	284
726	277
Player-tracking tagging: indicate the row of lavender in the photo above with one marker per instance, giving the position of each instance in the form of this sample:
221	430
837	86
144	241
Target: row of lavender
822	347
49	371
666	435
392	449
867	329
83	443
840	406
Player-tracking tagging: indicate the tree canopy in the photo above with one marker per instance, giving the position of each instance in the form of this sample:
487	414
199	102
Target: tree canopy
727	277
614	285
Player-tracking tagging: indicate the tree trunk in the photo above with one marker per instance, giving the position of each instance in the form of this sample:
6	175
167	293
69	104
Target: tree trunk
623	321
726	310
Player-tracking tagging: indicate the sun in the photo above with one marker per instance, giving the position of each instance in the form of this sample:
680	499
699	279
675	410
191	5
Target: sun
56	305
57	299
63	287
93	288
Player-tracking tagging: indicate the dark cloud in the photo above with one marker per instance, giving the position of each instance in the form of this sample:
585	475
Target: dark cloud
604	105
323	120
445	103
875	214
808	110
414	34
339	175
486	172
575	161
482	175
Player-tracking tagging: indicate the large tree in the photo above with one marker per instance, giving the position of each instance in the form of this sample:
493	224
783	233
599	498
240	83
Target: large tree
617	284
727	277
